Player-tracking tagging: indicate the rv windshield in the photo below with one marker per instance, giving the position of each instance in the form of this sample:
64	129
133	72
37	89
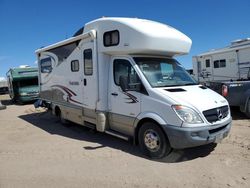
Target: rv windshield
164	72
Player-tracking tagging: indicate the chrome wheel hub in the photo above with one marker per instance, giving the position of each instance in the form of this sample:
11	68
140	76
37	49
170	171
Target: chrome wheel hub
152	140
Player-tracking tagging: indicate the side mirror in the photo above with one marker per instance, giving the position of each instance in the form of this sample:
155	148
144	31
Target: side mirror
123	82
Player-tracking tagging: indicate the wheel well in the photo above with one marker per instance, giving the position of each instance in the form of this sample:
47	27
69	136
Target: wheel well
57	111
139	125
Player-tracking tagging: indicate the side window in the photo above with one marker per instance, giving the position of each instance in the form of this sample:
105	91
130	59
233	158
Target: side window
124	68
111	38
207	62
46	65
75	66
216	64
220	63
88	62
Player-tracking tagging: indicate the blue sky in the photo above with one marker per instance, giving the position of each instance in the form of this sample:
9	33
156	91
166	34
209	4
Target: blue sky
26	25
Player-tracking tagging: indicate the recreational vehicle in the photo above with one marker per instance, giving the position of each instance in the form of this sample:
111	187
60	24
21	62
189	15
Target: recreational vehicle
119	76
23	84
229	63
227	71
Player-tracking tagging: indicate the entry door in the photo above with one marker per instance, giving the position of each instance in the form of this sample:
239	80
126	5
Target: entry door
208	68
124	105
89	76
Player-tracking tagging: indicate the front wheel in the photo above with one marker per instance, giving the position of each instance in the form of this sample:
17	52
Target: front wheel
152	141
248	109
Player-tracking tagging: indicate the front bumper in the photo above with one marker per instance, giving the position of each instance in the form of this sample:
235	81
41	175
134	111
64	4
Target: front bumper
27	98
186	137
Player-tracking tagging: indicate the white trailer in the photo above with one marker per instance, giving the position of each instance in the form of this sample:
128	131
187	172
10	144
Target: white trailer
118	75
229	63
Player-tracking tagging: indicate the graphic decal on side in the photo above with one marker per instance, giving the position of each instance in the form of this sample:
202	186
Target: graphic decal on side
69	92
131	97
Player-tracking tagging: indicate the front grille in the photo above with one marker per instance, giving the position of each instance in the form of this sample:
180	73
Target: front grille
216	114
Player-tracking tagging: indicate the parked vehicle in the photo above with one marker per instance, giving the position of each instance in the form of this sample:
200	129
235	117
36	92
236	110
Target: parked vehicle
3	87
23	84
227	71
118	76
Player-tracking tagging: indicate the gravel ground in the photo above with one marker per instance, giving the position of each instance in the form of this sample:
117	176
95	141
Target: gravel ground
37	151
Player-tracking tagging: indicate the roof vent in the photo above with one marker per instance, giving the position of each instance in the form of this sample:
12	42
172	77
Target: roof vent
203	87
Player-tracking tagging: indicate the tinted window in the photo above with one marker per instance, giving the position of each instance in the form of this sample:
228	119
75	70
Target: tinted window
46	65
124	68
164	72
28	82
216	64
62	52
111	38
220	63
88	62
74	65
207	62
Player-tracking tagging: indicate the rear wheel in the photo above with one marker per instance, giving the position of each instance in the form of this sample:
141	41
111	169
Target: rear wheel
152	141
248	109
60	116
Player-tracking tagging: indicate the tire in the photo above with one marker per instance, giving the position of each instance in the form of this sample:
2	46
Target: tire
60	116
152	141
248	109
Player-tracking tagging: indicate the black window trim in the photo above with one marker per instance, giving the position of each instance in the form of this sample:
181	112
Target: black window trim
89	49
110	33
75	60
114	69
219	61
47	66
207	61
143	89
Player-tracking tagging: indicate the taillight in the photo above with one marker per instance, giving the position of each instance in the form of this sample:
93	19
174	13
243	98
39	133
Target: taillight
224	90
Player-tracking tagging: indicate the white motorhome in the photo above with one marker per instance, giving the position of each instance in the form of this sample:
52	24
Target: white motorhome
118	76
229	63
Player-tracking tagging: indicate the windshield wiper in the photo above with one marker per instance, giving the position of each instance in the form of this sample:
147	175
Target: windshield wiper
176	85
190	84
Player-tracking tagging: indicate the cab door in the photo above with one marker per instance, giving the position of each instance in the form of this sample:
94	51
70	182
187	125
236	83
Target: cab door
124	106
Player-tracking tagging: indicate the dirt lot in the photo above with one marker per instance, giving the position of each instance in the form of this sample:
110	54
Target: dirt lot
37	151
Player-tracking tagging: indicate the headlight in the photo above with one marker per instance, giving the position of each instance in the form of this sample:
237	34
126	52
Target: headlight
23	94
187	114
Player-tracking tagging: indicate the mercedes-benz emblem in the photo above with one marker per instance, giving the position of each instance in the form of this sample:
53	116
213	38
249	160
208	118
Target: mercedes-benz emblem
219	114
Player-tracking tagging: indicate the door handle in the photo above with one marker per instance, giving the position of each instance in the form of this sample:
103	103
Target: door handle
114	94
84	82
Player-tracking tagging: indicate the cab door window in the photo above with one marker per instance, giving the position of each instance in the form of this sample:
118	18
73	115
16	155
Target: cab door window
123	68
